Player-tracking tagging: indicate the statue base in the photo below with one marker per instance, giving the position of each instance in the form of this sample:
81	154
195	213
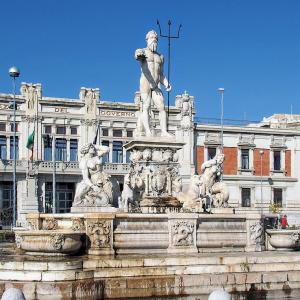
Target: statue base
154	171
222	210
91	209
160	205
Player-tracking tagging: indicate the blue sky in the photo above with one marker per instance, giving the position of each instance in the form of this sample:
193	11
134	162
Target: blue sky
251	48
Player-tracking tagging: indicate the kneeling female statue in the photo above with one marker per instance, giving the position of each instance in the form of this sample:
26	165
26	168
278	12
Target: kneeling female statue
95	188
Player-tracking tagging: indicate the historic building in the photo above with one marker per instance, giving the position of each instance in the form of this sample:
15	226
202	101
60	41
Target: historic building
60	127
260	159
260	165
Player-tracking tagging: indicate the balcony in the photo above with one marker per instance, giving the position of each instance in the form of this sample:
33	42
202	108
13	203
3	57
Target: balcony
61	167
115	169
7	165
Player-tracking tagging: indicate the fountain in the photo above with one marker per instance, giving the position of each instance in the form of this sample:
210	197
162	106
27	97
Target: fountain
152	241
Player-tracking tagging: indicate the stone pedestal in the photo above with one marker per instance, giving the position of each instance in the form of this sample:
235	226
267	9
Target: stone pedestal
154	174
99	229
94	209
160	205
222	210
182	233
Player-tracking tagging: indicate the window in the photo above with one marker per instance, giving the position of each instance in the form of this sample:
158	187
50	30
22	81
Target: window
245	159
128	153
73	150
12	148
6	194
117	133
277	197
61	130
2	127
73	130
211	152
277	160
3	147
47	147
60	149
47	129
117	152
246	197
105	132
64	197
105	157
129	133
12	127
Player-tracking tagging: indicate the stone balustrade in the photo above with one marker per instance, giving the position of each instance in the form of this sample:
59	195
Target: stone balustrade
69	167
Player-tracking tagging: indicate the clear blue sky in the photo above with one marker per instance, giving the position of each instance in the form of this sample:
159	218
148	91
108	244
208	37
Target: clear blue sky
251	48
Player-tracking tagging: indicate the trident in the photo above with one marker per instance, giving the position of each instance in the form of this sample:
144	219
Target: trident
169	37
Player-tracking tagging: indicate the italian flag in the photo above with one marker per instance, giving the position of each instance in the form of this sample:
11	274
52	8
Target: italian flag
30	143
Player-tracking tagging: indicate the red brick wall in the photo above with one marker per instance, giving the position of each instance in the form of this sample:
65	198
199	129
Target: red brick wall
200	158
288	163
265	162
230	162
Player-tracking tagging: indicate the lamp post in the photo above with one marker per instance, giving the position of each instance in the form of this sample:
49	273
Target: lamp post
261	152
221	91
53	175
14	73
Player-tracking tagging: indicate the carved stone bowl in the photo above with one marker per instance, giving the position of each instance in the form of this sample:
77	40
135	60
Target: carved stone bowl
46	242
284	239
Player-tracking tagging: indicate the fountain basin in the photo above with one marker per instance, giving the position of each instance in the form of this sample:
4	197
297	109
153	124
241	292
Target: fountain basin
284	239
45	242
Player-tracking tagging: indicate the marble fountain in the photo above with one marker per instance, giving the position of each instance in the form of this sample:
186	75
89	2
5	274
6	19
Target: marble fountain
158	241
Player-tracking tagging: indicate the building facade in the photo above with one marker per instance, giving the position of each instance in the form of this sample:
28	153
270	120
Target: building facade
60	127
260	165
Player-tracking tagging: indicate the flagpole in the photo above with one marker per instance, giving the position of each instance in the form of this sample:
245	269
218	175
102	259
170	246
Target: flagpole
37	127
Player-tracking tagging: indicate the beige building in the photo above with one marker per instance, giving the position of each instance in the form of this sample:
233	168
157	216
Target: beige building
61	127
256	180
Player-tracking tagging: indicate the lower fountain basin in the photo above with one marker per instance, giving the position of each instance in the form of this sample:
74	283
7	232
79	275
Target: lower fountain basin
45	242
284	239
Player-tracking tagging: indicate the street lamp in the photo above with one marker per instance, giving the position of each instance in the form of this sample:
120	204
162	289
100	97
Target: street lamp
221	91
14	73
261	152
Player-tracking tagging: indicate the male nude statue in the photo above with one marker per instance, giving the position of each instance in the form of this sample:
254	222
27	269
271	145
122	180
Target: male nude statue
151	78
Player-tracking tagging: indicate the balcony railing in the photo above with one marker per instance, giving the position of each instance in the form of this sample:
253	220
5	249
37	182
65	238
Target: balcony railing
66	167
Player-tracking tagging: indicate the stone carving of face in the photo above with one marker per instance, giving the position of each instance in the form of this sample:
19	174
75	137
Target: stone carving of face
147	154
168	155
152	41
92	150
135	156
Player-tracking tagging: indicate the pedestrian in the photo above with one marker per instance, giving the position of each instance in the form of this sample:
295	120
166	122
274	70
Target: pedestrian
284	222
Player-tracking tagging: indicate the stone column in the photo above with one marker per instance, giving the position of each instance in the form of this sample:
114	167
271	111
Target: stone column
7	147
185	103
182	233
68	149
99	230
110	151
